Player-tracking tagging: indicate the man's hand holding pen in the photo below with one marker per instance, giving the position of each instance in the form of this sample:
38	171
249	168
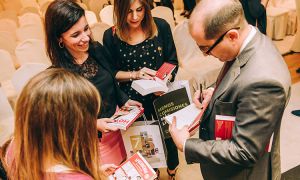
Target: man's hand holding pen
202	97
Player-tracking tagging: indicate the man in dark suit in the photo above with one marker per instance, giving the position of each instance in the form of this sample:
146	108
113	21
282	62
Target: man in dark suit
252	91
255	14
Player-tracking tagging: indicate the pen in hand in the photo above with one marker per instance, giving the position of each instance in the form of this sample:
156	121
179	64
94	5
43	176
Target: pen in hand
201	94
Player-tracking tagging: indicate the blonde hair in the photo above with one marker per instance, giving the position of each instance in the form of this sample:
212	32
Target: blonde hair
121	9
55	119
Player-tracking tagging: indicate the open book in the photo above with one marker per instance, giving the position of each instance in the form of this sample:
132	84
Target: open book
159	83
124	117
167	104
134	168
188	116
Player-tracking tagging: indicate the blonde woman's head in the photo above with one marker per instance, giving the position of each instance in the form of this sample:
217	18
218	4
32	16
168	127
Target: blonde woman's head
55	122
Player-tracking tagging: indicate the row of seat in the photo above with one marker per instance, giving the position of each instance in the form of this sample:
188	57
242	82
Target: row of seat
7	98
193	65
187	50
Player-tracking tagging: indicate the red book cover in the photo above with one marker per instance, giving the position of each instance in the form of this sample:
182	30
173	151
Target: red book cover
223	127
165	70
136	167
124	117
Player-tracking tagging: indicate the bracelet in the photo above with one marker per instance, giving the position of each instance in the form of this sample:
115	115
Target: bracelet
130	76
134	75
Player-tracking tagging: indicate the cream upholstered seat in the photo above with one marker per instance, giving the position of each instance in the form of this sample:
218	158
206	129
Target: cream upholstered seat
90	17
12	5
30	18
7	14
82	5
7	69
32	51
8	41
44	5
1	6
296	44
98	30
29	3
8	25
96	6
277	19
24	73
290	6
106	15
193	65
30	27
164	13
30	31
6	119
30	9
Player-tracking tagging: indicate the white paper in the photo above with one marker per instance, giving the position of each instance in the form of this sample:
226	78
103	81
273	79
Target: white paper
145	87
185	116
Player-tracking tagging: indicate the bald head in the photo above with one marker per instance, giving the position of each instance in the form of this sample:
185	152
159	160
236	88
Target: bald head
214	17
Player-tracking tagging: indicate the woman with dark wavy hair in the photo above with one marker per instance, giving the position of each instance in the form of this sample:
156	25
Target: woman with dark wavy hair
70	46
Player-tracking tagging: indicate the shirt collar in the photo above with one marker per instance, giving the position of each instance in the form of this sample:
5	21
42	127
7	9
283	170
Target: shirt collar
249	37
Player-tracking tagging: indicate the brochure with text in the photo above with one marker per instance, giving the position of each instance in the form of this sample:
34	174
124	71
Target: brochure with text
124	117
134	168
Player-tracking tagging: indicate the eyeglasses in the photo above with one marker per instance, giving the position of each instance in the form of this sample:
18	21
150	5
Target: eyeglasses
207	49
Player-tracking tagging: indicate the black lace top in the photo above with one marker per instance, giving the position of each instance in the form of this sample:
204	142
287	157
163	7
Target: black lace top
103	81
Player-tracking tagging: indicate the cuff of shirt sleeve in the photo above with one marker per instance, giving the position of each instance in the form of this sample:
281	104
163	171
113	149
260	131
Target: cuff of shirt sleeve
183	149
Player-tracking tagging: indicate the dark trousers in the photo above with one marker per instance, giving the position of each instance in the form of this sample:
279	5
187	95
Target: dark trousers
172	154
189	4
168	3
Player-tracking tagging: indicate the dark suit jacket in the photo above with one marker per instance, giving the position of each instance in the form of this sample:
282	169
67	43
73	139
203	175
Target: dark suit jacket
255	14
255	90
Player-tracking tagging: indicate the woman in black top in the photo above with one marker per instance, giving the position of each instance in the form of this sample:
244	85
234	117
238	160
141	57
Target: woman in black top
139	45
70	46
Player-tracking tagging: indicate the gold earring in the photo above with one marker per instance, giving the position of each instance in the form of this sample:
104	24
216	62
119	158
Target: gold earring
61	44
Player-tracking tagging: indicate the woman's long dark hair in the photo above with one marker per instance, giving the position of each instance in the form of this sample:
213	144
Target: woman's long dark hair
121	8
60	16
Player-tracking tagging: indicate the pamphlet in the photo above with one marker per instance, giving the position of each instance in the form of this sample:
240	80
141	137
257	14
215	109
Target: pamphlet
124	117
134	168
